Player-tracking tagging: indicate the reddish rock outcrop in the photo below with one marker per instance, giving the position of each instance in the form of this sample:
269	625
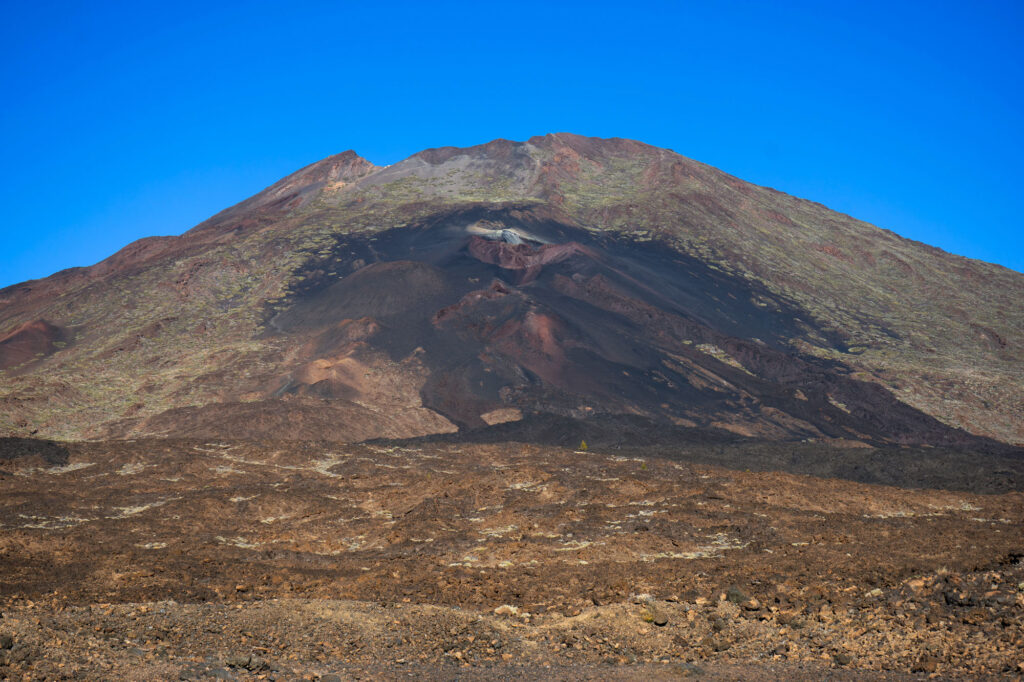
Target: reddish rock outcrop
28	342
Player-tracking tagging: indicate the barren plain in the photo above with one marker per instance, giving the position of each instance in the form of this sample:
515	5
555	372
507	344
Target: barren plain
191	559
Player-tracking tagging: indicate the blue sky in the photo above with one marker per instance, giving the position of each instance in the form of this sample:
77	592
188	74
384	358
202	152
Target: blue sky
125	120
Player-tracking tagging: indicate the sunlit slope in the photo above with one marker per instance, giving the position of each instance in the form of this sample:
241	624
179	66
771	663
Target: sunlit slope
563	276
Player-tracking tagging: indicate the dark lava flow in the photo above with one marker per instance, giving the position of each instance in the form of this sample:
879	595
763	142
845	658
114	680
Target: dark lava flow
580	324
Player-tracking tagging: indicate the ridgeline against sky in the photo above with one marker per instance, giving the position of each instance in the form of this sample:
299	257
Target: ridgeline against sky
123	121
569	280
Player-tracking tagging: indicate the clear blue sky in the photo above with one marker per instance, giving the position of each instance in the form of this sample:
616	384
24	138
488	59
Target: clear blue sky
124	120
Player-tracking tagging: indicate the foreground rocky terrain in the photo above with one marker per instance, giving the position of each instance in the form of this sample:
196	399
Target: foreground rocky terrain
197	559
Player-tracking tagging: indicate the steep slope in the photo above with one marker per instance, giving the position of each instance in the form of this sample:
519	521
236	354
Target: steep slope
565	276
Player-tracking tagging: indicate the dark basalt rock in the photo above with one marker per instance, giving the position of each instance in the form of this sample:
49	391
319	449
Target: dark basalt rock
573	324
50	452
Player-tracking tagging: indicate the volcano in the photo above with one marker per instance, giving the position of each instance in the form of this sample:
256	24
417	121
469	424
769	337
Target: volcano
559	288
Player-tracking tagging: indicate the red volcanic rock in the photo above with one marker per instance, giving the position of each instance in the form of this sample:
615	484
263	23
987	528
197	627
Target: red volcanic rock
496	290
534	343
523	257
28	342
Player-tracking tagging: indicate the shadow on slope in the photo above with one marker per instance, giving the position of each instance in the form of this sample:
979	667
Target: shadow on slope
31	451
994	470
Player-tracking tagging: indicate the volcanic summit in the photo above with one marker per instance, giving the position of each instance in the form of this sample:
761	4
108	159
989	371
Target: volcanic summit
562	284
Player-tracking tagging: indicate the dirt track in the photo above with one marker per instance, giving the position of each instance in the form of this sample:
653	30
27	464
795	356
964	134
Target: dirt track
165	559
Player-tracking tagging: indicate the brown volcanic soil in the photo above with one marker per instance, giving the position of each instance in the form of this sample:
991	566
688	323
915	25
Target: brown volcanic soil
30	341
191	559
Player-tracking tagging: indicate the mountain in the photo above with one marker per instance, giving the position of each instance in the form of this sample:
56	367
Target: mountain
563	282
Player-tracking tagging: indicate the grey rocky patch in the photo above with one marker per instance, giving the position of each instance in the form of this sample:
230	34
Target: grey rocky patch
238	661
511	237
719	644
736	595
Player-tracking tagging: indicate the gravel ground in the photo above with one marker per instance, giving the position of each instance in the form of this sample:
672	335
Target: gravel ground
241	560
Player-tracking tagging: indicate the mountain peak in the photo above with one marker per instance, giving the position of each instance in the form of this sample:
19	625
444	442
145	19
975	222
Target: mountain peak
565	275
345	166
295	190
341	168
539	146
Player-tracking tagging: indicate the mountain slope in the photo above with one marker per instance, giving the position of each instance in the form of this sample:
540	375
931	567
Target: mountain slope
562	276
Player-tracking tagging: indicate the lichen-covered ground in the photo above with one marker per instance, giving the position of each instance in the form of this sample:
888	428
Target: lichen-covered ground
238	560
